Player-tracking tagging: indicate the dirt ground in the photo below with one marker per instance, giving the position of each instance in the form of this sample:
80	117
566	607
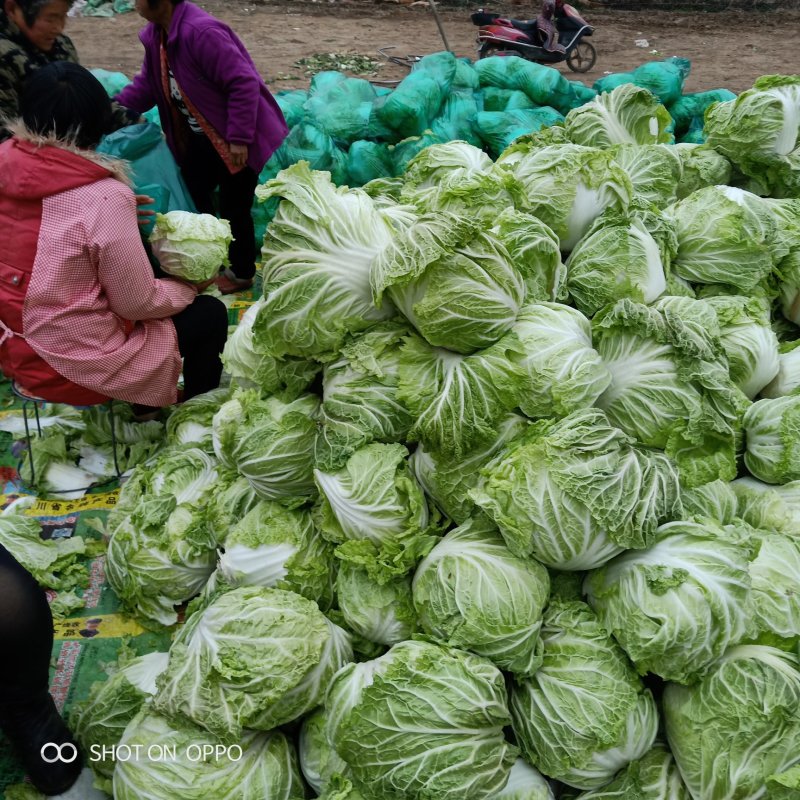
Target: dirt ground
727	49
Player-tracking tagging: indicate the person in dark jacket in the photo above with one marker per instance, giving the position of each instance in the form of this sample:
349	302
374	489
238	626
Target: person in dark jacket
32	36
221	122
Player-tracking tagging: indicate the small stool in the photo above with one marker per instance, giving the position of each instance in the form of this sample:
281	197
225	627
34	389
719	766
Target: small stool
30	399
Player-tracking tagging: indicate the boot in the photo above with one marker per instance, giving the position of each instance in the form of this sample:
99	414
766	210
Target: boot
37	732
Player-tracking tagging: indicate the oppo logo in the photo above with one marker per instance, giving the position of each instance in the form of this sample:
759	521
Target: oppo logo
51	752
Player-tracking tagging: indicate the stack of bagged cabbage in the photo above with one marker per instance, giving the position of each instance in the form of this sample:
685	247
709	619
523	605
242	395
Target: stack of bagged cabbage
504	498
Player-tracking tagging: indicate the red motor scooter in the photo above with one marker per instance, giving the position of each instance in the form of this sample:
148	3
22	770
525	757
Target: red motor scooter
501	36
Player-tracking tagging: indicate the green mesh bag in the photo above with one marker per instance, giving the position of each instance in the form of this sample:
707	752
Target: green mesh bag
497	129
495	99
306	142
544	85
341	106
291	104
457	118
691	108
412	106
367	161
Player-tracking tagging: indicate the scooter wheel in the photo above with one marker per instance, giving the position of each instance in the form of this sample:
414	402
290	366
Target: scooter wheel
582	57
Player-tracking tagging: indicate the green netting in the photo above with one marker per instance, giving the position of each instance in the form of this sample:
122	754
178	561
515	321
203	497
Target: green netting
664	79
498	129
404	151
690	109
544	85
367	161
412	106
291	103
457	118
306	142
465	76
495	99
610	82
581	93
377	129
341	106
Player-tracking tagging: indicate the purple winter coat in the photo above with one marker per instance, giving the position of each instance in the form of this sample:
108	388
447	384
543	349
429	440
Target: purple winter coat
215	71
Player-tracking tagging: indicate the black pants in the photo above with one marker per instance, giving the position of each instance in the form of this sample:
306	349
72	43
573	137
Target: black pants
202	329
28	715
204	171
26	632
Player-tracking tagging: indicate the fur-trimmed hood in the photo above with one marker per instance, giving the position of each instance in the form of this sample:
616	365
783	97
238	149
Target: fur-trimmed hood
34	166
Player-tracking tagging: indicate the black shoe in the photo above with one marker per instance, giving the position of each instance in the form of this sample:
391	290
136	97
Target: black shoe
43	743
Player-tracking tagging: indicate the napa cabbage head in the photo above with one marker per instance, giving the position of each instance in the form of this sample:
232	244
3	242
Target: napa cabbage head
461	279
459	402
574	493
563	372
190	422
771	507
382	611
160	554
251	368
584	714
748	340
101	719
191	246
267	769
716	500
670	383
737	726
525	783
275	546
375	510
621	255
447	480
455	176
567	186
787	379
252	658
471	592
319	761
702	166
627	115
725	236
655	170
655	776
678	605
421	721
317	254
774	573
771	429
759	132
270	442
360	402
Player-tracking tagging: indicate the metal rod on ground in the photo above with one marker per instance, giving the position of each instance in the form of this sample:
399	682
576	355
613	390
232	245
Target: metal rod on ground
432	4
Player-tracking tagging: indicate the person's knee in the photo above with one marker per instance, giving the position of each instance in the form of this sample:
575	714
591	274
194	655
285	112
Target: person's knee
215	316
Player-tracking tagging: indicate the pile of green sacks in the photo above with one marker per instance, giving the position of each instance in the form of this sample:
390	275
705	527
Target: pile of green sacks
359	132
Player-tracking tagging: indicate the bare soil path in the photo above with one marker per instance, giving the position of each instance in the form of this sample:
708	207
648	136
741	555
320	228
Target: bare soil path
727	49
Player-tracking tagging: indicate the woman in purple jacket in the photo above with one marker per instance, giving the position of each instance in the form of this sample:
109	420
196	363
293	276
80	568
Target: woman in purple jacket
221	122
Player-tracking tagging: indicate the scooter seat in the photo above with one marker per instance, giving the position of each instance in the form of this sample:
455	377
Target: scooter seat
524	25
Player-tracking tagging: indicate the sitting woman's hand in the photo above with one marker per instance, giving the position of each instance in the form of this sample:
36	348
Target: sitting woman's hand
203	285
144	215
